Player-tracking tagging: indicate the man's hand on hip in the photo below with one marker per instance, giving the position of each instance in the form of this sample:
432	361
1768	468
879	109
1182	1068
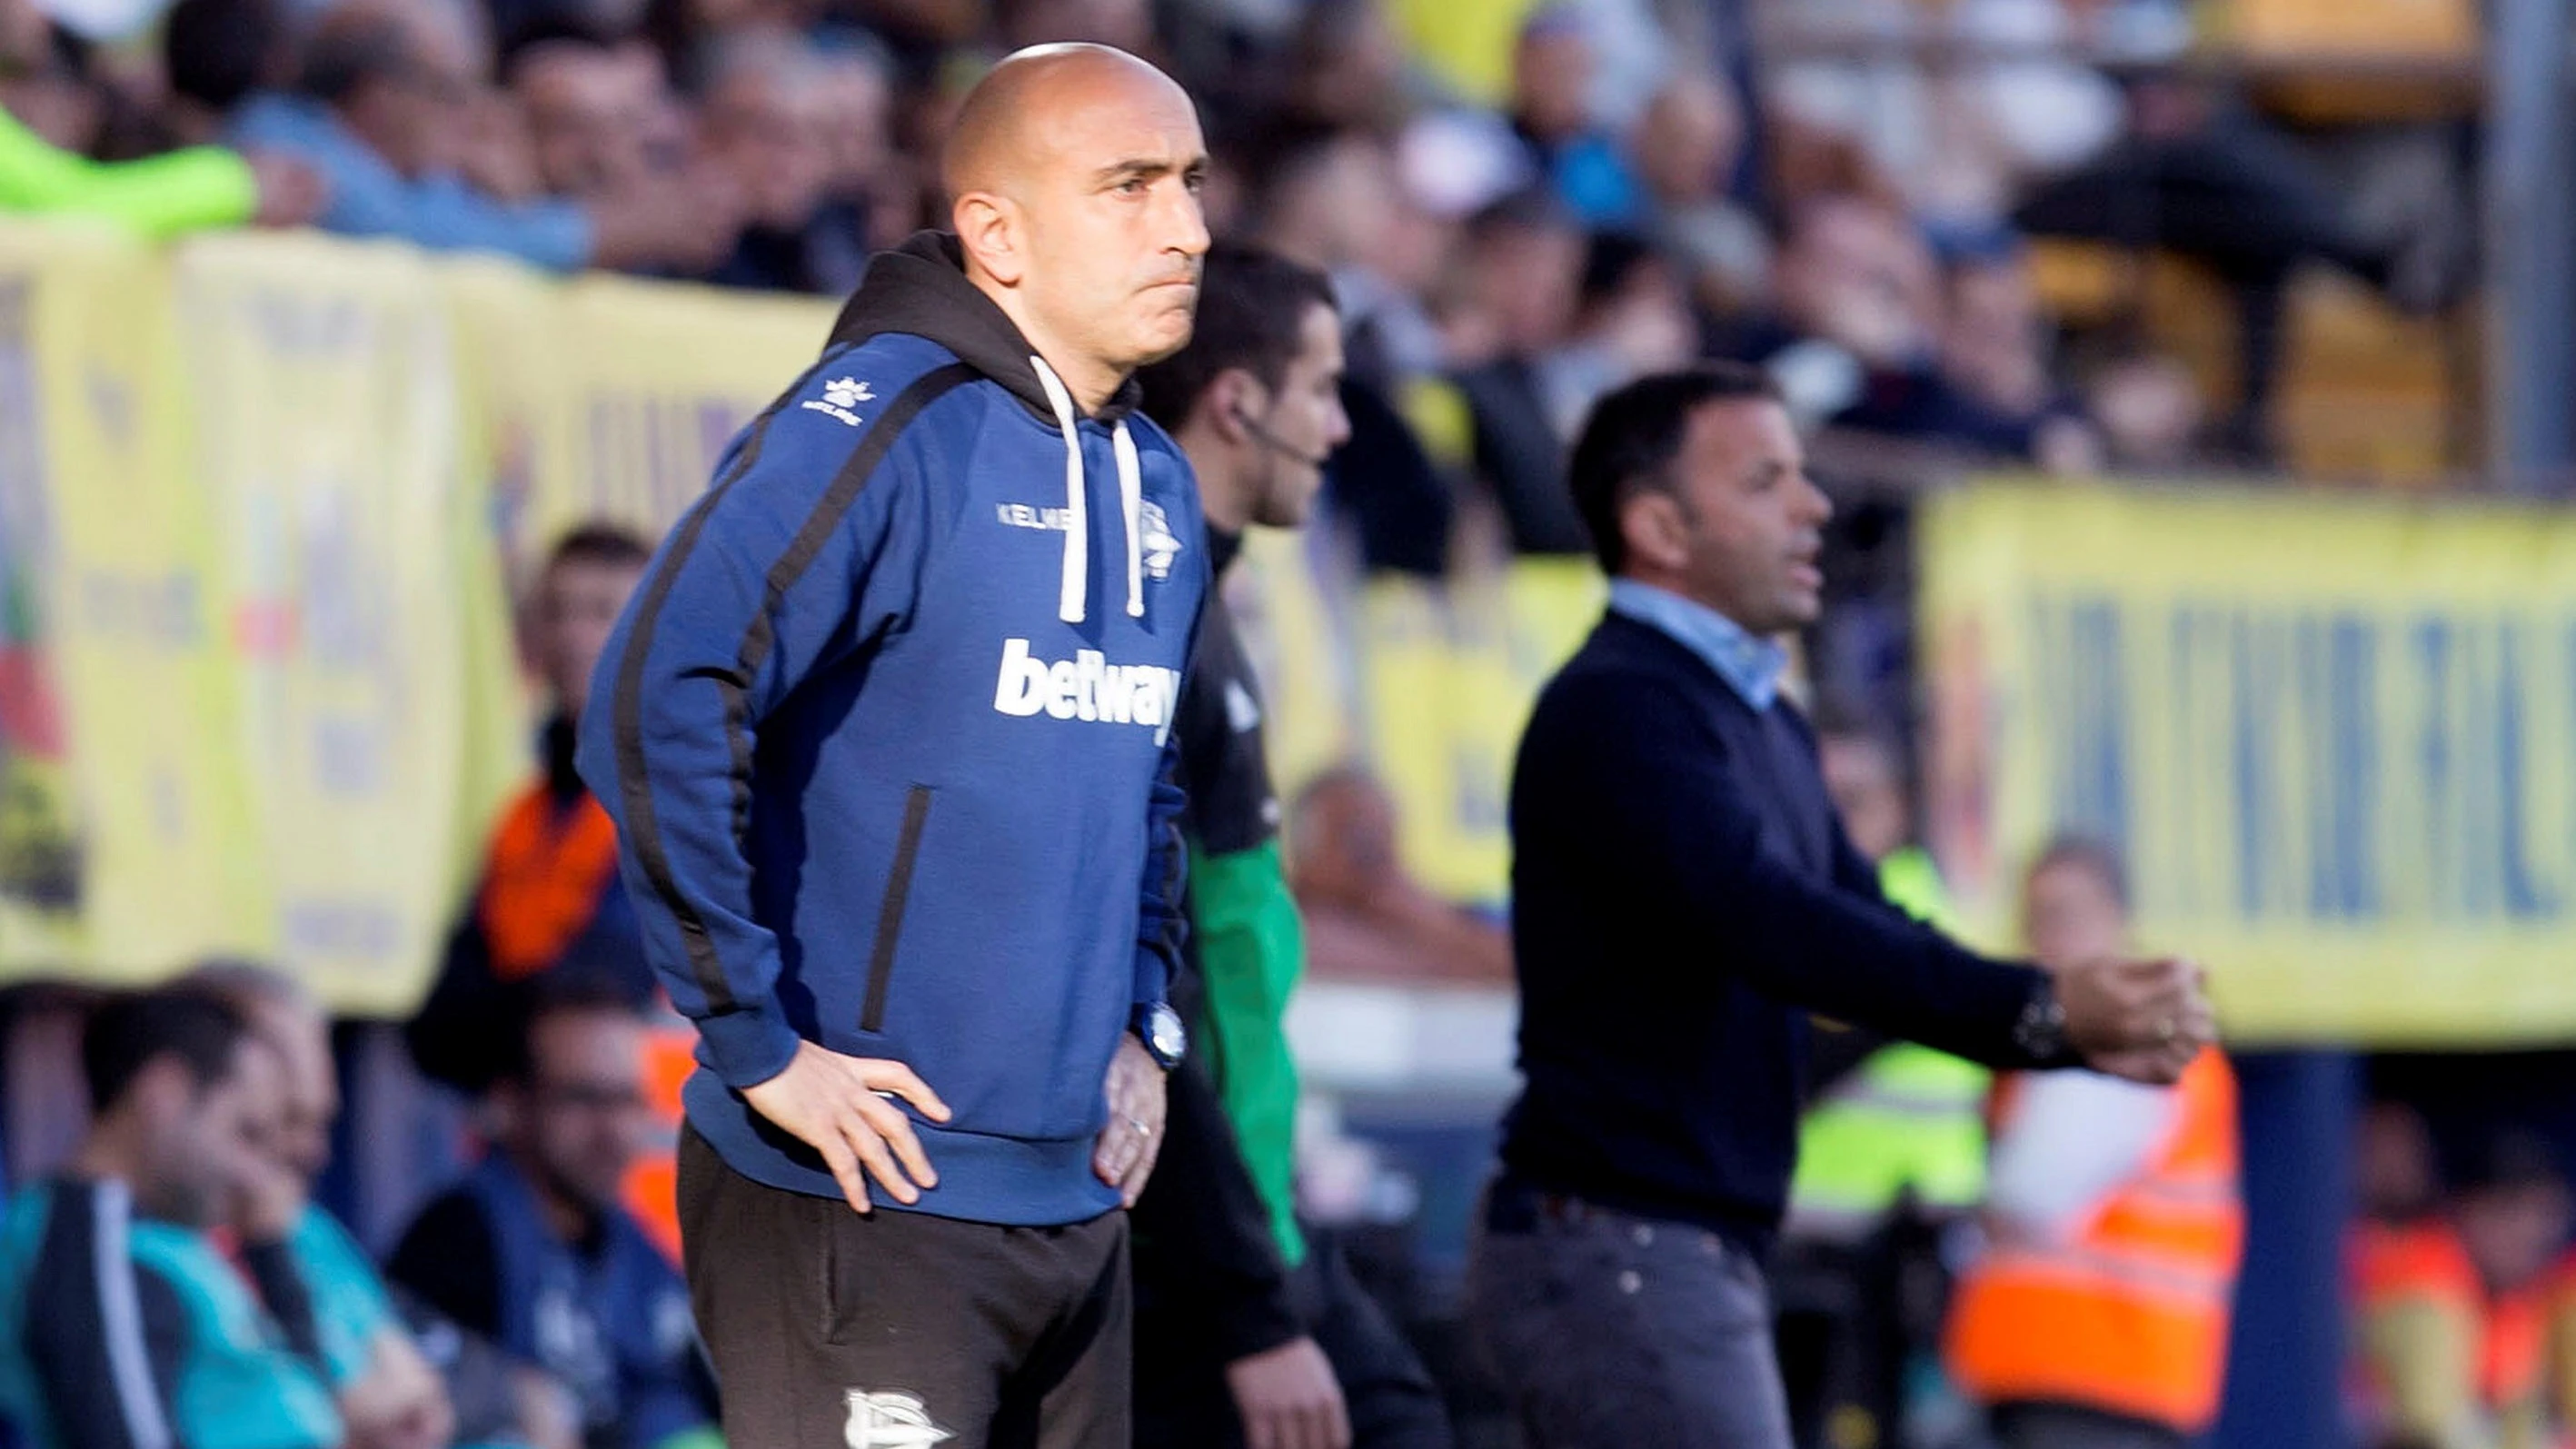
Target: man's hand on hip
1289	1398
838	1106
1134	1136
2143	1020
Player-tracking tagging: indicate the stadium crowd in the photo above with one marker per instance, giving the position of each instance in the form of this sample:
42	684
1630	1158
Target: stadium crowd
1642	185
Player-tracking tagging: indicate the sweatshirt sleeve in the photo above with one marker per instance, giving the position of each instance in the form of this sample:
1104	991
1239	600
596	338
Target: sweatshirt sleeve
809	546
1160	927
158	196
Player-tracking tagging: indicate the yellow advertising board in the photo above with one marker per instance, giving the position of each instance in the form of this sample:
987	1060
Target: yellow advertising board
2330	734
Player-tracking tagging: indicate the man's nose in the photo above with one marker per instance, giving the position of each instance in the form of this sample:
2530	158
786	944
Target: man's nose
1187	223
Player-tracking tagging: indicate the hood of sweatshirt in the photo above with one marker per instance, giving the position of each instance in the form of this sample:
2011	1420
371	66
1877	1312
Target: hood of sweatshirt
921	289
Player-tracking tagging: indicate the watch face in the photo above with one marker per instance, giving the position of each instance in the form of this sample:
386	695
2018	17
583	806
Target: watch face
1163	1033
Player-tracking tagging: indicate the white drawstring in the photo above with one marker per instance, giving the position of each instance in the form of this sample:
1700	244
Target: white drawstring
1077	519
1131	499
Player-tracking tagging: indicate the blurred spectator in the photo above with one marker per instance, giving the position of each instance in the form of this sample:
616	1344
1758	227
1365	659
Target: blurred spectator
762	122
50	117
499	157
2097	1317
1347	67
2453	1312
2395	1175
587	109
219	53
1552	88
384	111
549	899
1687	146
1328	199
533	1250
1524	265
386	1391
1366	918
2146	407
1632	317
124	1322
1994	353
1858	333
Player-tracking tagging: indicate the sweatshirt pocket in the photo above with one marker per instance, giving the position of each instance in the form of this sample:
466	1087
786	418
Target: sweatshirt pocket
898	891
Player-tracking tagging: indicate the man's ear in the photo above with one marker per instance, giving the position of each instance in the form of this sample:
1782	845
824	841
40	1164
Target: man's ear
165	1088
1233	396
1651	524
988	227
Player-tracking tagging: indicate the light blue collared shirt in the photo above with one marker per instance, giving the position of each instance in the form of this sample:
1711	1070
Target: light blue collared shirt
1751	667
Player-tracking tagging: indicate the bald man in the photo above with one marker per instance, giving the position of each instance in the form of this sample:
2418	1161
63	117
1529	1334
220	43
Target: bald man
887	736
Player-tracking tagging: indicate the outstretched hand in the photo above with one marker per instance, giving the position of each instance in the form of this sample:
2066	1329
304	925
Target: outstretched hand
2143	1020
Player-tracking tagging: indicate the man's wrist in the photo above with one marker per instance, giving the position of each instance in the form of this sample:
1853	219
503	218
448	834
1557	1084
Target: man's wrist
1157	1028
2040	1031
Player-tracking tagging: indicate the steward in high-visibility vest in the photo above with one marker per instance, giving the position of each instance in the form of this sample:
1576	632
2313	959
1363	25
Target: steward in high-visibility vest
1908	1119
2128	1315
2099	1311
2443	1360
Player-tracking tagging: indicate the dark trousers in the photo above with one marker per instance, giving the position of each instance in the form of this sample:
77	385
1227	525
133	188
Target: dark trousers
2069	1426
1609	1331
1182	1401
830	1330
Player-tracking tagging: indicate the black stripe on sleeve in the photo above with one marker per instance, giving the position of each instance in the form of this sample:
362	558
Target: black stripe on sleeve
642	830
100	1336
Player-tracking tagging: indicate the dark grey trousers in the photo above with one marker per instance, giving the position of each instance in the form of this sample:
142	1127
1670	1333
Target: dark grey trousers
901	1330
1614	1332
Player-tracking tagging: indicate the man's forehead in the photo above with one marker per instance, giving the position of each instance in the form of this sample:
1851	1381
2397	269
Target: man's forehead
1747	425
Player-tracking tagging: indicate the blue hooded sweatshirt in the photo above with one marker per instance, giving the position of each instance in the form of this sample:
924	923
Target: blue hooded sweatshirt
886	731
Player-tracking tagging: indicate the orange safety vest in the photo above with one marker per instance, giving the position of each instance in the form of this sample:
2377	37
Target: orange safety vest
543	877
2426	1262
2131	1317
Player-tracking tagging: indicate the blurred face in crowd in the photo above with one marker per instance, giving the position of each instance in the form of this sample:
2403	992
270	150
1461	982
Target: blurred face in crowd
578	602
1528	279
1688	140
1350	65
1552	80
2513	1230
1303	421
1646	324
2393	1163
581	1118
587	117
308	1088
1077	177
1860	774
1990	339
203	1143
1739	525
2071	915
499	156
764	123
419	116
1857	276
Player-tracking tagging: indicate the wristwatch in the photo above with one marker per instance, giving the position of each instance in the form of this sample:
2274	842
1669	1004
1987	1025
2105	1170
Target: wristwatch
1159	1028
2040	1031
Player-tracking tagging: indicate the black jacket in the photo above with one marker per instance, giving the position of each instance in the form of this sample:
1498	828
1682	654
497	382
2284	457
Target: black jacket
1682	897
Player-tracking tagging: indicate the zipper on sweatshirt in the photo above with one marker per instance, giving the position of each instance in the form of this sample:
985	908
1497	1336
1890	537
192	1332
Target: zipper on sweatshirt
907	846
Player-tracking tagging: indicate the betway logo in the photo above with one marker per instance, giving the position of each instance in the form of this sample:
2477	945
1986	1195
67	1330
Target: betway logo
1087	687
